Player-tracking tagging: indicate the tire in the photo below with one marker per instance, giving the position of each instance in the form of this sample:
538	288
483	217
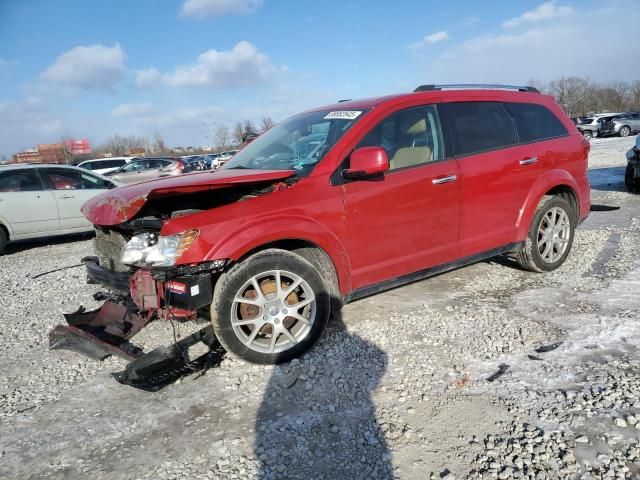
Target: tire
625	131
632	184
552	210
3	240
235	322
587	134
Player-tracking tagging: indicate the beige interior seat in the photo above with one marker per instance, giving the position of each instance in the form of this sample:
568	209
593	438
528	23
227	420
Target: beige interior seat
413	126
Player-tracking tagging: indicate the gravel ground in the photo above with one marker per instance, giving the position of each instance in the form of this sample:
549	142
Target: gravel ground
483	372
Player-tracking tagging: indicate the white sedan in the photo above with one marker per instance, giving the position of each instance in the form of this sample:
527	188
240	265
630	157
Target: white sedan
43	200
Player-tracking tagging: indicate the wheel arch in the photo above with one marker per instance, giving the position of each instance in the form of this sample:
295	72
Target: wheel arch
5	229
556	182
314	254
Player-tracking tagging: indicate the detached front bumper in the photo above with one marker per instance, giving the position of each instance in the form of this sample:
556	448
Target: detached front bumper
99	275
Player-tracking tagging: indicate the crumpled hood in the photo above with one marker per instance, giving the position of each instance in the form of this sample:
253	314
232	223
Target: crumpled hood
121	204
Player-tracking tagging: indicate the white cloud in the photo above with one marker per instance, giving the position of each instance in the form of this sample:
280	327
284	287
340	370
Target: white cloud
133	109
436	37
147	77
545	52
545	11
213	8
88	67
24	124
242	65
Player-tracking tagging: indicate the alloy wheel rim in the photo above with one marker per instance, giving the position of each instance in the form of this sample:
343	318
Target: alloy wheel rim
273	311
554	233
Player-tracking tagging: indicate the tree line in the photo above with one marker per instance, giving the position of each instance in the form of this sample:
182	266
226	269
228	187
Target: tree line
224	138
580	96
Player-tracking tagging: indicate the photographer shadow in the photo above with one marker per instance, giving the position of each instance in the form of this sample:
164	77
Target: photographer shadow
317	418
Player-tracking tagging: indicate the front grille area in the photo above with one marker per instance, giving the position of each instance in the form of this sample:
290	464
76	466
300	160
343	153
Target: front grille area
108	246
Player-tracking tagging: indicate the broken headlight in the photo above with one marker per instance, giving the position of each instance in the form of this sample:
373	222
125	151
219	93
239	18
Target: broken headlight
157	251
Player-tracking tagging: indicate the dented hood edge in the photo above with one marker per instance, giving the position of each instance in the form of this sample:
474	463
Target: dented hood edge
122	204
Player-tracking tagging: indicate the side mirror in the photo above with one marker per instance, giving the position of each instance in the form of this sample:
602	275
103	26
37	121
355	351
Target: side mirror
366	162
638	142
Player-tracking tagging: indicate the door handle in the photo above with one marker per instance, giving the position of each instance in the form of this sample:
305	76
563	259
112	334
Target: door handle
67	196
528	161
449	179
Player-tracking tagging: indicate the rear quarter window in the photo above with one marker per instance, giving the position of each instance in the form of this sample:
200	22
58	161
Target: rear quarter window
479	126
535	122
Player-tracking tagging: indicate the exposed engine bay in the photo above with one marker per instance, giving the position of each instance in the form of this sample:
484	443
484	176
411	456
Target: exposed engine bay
143	284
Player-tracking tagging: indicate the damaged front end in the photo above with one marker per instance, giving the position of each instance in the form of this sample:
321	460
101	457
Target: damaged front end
144	279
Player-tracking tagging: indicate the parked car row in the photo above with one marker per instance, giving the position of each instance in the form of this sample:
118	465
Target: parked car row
138	169
608	124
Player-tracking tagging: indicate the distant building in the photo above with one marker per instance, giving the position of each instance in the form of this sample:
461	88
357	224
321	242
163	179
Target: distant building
44	153
30	155
52	153
78	147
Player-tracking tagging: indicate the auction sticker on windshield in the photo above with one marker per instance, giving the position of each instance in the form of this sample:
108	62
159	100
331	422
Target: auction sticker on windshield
343	115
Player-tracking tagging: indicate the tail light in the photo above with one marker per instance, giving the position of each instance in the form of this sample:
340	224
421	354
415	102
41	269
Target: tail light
586	146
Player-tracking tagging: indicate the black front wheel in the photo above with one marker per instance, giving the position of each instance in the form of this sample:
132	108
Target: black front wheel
3	240
630	180
270	308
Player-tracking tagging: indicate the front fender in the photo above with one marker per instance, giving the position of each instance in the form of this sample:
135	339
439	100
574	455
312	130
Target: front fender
237	243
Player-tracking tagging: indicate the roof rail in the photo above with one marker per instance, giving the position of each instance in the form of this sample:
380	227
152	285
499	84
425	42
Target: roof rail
480	86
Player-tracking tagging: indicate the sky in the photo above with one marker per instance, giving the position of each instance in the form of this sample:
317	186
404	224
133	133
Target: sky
178	68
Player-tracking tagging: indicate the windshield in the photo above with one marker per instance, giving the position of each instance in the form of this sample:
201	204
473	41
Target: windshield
298	143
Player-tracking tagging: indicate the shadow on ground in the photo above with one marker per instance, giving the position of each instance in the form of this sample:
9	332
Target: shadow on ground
317	418
608	179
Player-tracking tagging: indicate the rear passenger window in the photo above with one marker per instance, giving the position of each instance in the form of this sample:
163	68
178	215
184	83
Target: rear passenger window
535	122
479	126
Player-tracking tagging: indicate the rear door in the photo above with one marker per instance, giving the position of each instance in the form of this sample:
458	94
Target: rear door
25	204
71	189
408	219
497	174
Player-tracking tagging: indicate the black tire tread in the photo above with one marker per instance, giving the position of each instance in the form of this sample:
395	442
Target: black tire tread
238	269
525	256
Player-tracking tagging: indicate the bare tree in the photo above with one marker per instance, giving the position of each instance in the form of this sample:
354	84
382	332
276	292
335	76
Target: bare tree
571	93
222	137
122	145
266	123
158	145
249	127
238	133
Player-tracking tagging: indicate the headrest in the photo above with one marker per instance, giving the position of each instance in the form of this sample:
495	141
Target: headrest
413	123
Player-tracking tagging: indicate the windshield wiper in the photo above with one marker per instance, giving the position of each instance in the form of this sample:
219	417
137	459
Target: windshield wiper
238	167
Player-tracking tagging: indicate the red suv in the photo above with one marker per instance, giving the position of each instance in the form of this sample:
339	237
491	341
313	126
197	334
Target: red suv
332	205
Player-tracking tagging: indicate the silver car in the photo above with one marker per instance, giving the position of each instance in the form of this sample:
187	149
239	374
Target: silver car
143	169
43	200
626	124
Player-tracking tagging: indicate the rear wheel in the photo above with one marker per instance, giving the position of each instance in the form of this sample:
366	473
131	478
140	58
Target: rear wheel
3	240
550	236
625	131
632	183
587	134
270	308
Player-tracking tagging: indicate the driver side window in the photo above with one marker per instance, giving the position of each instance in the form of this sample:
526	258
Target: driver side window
410	137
